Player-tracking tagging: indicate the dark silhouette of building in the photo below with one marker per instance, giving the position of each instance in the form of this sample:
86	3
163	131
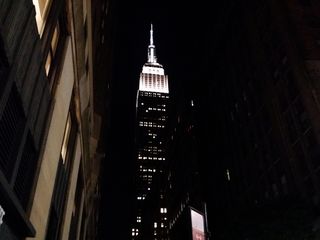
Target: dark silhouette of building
260	118
184	190
152	113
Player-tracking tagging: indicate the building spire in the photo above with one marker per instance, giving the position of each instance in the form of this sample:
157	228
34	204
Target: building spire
151	35
151	49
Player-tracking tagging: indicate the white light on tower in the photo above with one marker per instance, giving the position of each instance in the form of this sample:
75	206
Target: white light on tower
153	78
2	213
228	175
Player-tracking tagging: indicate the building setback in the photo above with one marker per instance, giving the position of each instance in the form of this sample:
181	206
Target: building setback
152	113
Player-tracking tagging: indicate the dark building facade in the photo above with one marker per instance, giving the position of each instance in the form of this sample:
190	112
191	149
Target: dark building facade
263	115
25	103
50	118
184	190
152	113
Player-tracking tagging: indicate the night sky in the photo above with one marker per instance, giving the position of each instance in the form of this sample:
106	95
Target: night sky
211	54
179	41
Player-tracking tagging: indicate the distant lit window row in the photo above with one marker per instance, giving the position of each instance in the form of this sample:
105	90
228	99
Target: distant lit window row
152	158
158	105
147	170
150	170
155	119
153	135
146	176
156	109
150	150
148	124
154	148
151	94
147	148
142	123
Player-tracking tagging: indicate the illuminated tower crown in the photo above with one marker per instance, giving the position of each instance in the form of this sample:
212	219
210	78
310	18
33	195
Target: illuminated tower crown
152	78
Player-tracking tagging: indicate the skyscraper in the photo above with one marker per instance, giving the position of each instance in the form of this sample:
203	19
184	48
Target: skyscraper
152	105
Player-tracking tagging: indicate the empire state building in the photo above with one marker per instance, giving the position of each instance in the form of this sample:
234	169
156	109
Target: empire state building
152	113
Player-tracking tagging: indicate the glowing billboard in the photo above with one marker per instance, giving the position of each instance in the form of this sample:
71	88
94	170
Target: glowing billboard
197	223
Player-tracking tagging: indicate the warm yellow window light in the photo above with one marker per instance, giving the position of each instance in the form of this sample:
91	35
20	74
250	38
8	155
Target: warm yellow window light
66	139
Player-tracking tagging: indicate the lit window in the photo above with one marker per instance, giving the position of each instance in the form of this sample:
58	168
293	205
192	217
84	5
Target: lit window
53	48
54	40
155	225
228	175
163	210
48	63
66	139
135	232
